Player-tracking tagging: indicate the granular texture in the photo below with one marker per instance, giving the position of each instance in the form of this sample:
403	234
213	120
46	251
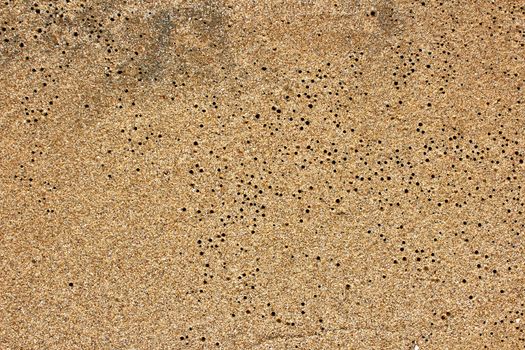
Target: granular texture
249	174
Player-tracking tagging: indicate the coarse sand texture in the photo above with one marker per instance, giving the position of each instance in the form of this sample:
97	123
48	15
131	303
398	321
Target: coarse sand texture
262	174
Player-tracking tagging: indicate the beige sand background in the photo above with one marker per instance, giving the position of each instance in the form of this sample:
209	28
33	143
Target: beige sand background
262	174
